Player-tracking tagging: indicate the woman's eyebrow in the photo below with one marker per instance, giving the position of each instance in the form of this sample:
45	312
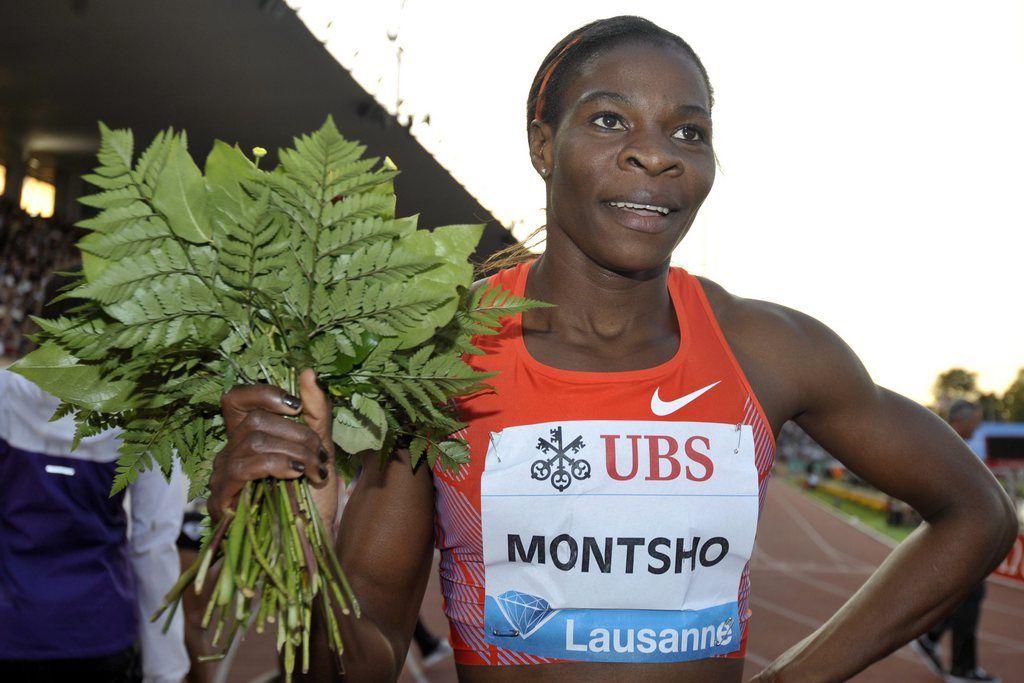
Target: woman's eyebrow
625	101
692	110
605	95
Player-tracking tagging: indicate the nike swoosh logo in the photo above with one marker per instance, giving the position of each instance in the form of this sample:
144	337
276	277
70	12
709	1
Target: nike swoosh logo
662	408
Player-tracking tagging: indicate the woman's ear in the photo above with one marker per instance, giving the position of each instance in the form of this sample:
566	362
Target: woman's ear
539	136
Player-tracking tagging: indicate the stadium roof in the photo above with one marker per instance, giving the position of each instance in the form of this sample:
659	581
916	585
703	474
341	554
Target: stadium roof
247	71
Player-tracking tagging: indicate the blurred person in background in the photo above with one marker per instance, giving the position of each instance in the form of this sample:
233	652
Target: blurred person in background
79	577
964	418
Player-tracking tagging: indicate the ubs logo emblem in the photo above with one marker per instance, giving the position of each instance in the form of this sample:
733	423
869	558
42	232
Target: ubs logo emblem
561	467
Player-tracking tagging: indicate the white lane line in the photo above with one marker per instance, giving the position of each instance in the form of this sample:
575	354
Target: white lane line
1002	609
902	653
786	612
827	587
764	561
815	567
819	540
1010	643
759	553
841	592
758	659
1005	582
860	526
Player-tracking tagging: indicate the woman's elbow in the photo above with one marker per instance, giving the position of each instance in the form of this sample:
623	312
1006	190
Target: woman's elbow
988	518
997	520
1010	524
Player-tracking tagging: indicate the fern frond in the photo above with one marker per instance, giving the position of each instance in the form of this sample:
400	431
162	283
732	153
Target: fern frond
195	280
489	305
353	207
115	154
112	199
125	232
123	278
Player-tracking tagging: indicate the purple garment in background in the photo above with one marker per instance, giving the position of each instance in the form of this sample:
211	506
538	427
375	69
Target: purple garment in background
66	583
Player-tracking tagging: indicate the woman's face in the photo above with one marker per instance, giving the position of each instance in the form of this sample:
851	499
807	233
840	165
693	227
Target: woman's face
630	160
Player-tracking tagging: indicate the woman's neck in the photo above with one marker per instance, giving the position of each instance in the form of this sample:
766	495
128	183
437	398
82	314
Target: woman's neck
600	315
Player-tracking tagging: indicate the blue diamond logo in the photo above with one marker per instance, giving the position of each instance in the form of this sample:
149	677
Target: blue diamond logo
526	613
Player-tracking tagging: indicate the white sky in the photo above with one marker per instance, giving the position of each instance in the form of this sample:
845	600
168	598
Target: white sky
872	152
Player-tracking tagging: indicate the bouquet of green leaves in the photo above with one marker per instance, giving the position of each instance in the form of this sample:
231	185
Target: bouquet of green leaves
195	281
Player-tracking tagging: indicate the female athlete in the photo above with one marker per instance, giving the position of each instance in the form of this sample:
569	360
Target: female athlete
603	527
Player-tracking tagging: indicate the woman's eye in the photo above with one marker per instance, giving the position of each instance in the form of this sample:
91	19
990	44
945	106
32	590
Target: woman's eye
691	133
609	121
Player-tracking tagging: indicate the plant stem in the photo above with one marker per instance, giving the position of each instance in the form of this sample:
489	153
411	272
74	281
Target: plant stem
275	552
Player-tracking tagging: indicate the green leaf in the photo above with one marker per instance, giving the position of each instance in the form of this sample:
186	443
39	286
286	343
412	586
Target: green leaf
181	197
151	162
226	169
361	427
130	464
324	352
116	219
112	199
58	372
417	447
105	183
425	306
115	155
92	265
126	277
453	245
132	239
453	454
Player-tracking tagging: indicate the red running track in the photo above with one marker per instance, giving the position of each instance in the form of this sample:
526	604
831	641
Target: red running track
809	560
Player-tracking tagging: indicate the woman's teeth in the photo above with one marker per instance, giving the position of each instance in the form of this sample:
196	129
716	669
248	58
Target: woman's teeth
643	207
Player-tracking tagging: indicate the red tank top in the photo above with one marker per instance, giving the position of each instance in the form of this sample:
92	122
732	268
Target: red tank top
604	516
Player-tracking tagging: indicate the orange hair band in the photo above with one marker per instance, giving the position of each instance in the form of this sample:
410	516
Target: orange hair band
547	75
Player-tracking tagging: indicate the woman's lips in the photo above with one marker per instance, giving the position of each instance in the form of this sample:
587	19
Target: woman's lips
641	220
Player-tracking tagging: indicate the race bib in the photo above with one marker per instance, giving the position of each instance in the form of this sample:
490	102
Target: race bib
617	540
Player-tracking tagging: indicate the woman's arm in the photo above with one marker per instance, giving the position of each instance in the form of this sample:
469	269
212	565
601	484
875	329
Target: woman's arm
385	545
385	541
904	450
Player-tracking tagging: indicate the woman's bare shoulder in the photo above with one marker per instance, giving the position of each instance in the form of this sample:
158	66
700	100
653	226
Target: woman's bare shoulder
742	318
789	353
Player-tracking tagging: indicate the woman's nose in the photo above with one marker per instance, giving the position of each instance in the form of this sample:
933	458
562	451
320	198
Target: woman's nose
651	153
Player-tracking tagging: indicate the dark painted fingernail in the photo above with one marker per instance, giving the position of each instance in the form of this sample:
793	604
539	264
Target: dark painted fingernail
292	402
323	472
323	455
297	465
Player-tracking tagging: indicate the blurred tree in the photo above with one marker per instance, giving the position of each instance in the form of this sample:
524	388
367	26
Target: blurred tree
1013	399
953	384
992	409
960	383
